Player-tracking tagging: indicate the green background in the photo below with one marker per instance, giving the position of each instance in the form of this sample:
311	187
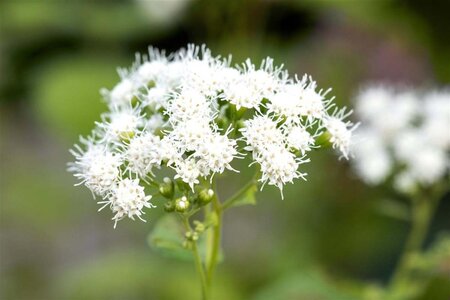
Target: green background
331	238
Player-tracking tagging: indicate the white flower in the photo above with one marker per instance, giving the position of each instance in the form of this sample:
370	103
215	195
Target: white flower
407	143
287	102
374	166
340	131
154	123
405	182
191	134
217	151
411	129
142	154
437	131
156	97
242	94
428	165
188	171
372	102
127	199
267	79
205	76
312	102
169	151
97	168
150	70
261	131
279	166
121	94
189	104
181	111
299	138
121	124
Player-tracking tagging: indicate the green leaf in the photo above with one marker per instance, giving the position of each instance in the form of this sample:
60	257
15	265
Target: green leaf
306	285
167	238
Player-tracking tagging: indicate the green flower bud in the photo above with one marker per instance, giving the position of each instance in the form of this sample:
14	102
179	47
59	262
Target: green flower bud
166	189
169	206
205	196
191	236
240	124
126	136
181	204
324	139
199	226
222	122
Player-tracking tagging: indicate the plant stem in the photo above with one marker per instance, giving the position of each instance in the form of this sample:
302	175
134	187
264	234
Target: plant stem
421	215
198	262
214	245
201	272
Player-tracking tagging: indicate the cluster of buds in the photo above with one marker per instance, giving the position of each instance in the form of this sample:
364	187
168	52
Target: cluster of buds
193	114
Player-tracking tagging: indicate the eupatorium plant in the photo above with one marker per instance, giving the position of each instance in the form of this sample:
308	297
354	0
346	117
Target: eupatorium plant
189	115
404	144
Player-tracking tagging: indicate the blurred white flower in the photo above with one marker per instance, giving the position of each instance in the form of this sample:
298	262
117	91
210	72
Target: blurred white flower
404	130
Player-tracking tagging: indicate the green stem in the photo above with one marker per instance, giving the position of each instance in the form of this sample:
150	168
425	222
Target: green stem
214	245
198	262
201	272
421	215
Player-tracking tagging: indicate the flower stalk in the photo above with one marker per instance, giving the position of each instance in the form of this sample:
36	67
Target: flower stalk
422	211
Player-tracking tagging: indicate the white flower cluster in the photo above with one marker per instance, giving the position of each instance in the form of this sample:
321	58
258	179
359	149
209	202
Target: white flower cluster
195	113
404	134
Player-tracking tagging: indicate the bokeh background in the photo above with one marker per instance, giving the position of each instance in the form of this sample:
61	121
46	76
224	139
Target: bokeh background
331	238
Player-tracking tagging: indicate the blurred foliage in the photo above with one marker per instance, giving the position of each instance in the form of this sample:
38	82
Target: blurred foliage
56	55
66	96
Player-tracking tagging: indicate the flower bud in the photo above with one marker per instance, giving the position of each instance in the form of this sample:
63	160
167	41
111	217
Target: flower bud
199	226
169	206
205	196
191	236
166	189
240	124
324	139
181	204
126	136
222	122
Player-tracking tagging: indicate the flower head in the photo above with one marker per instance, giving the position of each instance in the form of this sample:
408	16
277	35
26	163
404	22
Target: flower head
127	199
192	114
405	135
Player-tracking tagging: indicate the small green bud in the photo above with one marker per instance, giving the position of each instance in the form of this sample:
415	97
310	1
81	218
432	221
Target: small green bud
191	236
169	206
167	188
205	196
240	124
134	101
181	204
199	226
222	122
126	136
323	140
